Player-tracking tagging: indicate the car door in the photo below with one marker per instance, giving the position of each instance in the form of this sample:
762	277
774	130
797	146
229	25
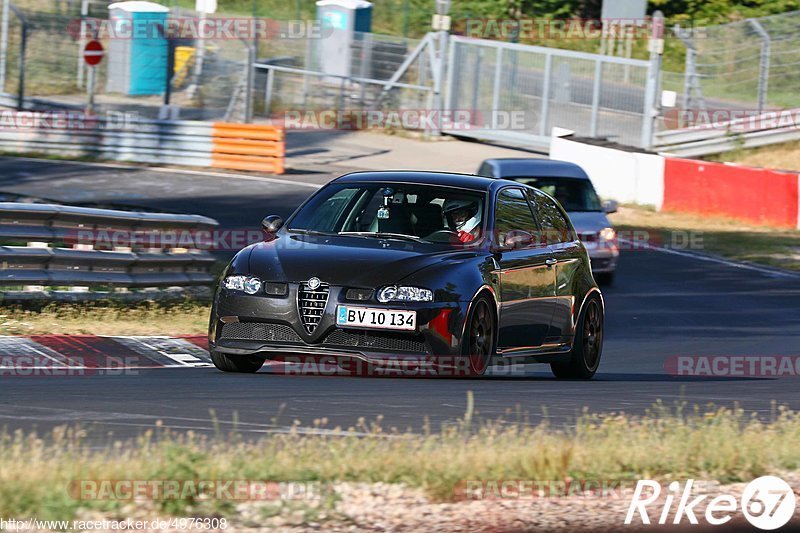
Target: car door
566	250
527	280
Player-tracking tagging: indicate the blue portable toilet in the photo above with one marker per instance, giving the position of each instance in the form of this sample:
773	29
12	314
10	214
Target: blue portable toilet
342	21
138	49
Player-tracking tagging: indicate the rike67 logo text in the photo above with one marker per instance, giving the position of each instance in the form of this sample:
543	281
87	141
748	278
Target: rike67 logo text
767	503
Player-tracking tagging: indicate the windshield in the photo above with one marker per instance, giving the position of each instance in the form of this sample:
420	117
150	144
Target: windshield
406	211
573	195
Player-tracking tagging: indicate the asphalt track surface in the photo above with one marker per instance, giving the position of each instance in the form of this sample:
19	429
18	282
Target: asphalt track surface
662	305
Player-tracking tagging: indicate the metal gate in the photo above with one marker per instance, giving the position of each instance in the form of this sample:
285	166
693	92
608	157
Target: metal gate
516	94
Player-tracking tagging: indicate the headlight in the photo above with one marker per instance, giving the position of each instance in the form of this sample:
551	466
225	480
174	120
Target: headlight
404	294
242	283
607	234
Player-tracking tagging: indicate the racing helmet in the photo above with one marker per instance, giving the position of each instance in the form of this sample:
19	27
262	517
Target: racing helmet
464	214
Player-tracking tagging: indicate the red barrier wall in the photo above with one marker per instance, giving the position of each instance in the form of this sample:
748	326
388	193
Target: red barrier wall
755	195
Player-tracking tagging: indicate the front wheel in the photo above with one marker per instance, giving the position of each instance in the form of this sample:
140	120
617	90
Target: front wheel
480	340
244	364
587	347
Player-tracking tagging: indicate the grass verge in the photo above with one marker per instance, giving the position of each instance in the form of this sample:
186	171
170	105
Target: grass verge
729	238
784	156
146	318
667	443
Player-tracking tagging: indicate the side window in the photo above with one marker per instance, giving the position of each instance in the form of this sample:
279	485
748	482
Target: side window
513	213
555	228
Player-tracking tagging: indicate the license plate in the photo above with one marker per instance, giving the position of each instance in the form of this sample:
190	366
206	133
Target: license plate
368	317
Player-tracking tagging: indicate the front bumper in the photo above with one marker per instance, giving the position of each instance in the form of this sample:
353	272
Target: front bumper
271	327
603	257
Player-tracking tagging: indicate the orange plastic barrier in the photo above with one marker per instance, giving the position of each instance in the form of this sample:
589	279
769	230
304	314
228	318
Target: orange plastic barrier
248	147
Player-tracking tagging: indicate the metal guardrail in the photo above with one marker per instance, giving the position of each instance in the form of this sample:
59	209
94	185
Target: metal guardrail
192	143
159	142
749	132
25	270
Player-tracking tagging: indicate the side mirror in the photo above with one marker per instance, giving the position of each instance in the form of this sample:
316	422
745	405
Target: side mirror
517	238
271	223
610	206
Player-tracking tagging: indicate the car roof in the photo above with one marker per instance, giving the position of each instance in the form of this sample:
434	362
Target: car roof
540	168
449	179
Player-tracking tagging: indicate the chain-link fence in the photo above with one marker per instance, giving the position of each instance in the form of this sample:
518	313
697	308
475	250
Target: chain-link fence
208	75
750	64
369	78
209	64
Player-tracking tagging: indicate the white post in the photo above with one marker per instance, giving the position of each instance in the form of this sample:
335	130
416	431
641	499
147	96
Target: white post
90	105
200	52
82	41
4	45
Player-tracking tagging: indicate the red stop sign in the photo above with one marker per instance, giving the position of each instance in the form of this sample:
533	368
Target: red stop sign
93	53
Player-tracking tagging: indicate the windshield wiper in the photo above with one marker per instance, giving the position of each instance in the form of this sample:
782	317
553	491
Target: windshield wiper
382	235
303	231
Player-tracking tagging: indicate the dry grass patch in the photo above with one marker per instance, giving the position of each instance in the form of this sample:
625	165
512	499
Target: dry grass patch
189	318
730	238
784	156
719	444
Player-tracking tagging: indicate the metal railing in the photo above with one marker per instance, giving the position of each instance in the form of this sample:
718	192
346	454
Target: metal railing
333	91
706	139
594	95
161	142
56	251
189	143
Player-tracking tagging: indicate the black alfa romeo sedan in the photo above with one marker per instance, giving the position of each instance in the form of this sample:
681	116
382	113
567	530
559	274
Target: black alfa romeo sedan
443	270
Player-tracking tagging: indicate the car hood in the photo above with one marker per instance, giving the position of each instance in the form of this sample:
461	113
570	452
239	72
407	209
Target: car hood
342	260
589	221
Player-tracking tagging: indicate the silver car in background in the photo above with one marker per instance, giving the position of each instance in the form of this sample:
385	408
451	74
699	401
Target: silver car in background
570	185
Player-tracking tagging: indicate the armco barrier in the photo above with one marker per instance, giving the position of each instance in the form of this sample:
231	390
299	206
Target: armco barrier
201	144
755	195
770	127
143	254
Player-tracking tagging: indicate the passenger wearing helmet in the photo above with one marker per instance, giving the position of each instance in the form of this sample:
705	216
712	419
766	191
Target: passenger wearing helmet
465	217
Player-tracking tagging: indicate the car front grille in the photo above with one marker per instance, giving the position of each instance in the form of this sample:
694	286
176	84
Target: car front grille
258	331
311	305
376	341
383	341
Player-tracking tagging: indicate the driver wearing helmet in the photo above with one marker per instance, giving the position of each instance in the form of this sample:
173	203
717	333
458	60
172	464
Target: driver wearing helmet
465	217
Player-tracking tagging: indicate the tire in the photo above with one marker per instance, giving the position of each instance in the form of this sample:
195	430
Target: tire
480	336
588	345
604	278
244	364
